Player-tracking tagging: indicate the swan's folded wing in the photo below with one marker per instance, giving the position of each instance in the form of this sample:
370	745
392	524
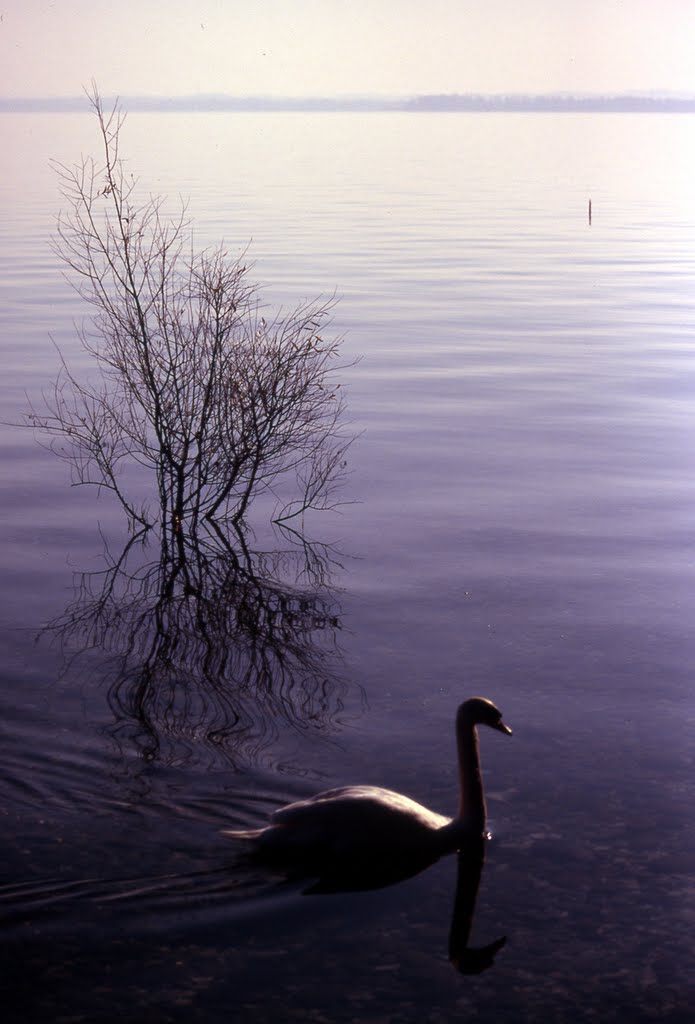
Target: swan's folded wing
363	807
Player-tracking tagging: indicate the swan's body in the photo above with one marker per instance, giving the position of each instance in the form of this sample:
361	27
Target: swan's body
371	832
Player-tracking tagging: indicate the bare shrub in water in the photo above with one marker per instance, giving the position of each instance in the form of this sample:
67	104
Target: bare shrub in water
191	381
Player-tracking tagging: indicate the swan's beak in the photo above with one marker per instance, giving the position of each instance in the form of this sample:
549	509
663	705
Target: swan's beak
501	727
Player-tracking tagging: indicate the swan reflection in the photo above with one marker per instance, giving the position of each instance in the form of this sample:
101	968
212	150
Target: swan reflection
465	958
209	642
469	959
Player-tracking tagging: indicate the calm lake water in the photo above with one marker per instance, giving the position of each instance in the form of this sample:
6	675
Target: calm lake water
521	524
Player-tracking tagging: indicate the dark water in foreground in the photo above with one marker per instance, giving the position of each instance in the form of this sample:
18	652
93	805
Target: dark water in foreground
525	479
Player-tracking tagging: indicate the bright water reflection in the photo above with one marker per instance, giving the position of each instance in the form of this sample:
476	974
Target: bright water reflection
525	530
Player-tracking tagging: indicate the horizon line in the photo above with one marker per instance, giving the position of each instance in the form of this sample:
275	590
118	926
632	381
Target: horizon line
633	101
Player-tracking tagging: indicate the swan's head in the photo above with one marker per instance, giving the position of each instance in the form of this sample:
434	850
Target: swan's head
479	711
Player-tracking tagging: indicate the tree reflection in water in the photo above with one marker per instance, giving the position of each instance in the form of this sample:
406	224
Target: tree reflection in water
211	642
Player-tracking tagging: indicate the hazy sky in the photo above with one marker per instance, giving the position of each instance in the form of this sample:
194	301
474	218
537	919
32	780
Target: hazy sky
338	47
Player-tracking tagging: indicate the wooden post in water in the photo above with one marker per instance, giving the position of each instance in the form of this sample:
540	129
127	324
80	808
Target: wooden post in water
589	211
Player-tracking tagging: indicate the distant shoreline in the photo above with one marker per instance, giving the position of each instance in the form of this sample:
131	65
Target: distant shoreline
451	103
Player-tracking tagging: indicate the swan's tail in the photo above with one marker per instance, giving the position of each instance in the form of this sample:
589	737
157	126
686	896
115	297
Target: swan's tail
248	833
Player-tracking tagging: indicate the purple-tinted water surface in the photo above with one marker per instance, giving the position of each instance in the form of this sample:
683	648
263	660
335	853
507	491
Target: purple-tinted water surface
522	527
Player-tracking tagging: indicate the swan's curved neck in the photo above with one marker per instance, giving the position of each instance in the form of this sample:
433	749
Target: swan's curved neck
472	797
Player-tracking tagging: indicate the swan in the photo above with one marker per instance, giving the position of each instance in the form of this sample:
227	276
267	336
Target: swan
366	837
